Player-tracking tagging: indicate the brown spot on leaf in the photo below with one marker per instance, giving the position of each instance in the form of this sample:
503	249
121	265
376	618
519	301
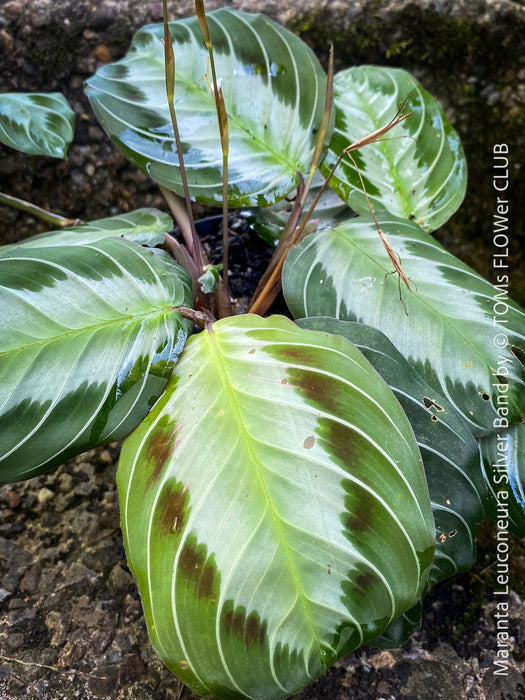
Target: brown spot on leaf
434	418
319	390
363	511
309	442
364	581
357	522
284	381
251	352
159	449
300	354
199	569
431	403
172	508
452	533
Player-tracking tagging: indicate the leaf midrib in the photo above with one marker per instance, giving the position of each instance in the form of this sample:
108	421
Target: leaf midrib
423	300
222	372
78	332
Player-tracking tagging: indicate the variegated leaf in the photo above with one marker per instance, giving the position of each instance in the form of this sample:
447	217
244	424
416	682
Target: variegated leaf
503	459
274	91
40	124
269	222
446	326
415	171
449	451
274	508
143	226
88	338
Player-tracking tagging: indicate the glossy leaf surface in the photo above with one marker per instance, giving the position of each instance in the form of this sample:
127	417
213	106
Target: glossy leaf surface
417	170
445	326
88	337
449	451
269	222
274	92
274	508
143	226
36	123
503	459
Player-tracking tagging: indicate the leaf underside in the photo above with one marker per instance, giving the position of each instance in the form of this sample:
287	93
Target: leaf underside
88	338
274	511
40	124
415	171
444	326
274	92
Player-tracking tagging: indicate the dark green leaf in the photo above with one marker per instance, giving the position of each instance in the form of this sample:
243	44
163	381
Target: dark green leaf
503	459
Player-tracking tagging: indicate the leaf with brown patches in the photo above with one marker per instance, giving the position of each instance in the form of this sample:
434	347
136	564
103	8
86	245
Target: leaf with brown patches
449	451
160	448
171	510
292	458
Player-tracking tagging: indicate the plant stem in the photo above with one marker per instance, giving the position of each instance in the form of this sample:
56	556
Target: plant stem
180	214
270	284
29	208
203	319
194	246
222	116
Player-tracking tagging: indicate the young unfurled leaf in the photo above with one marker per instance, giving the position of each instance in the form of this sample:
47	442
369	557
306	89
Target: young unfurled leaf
210	279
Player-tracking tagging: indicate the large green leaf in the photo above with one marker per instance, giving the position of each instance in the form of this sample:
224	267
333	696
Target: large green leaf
417	170
36	123
274	508
503	459
449	450
445	326
88	338
274	91
143	226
